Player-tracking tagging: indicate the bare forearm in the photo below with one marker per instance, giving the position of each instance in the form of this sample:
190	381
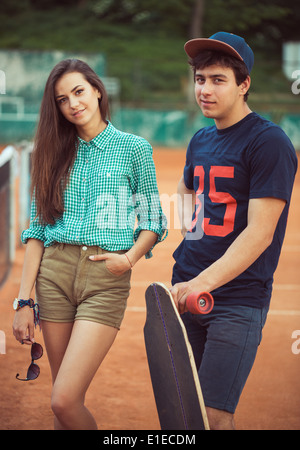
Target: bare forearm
119	264
144	243
263	216
186	206
33	255
242	253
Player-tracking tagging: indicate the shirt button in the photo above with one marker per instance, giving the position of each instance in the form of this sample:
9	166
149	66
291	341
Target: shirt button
84	248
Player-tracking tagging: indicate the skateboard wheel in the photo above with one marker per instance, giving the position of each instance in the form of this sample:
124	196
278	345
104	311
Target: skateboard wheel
200	303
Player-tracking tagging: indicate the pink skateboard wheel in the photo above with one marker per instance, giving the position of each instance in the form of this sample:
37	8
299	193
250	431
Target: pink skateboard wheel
200	303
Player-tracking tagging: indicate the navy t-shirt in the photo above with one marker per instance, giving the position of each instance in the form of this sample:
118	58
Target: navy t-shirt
251	159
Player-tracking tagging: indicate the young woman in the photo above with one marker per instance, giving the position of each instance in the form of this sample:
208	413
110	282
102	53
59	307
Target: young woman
90	183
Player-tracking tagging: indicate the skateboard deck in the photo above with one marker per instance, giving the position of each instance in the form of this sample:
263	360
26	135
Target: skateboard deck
171	362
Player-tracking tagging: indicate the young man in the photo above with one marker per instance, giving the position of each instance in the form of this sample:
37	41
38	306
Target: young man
240	174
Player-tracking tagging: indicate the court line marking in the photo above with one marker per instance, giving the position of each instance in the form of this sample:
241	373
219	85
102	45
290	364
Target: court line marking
285	312
291	248
286	287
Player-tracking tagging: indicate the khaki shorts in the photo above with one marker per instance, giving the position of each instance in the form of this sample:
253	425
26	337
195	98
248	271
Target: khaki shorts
70	286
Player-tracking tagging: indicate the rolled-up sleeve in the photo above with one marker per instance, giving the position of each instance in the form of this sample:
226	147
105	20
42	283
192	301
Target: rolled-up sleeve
146	196
36	230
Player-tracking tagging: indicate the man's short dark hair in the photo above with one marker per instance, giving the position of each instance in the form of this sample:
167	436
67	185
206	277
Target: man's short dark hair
209	58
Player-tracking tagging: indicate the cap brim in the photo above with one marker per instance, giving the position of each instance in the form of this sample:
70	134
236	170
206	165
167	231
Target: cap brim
195	46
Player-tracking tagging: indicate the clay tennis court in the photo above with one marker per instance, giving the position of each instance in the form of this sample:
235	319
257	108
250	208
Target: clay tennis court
120	396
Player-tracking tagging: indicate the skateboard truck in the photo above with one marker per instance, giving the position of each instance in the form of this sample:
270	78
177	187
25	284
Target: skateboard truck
200	303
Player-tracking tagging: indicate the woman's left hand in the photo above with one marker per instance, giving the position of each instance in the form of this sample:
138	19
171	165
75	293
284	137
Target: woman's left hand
116	263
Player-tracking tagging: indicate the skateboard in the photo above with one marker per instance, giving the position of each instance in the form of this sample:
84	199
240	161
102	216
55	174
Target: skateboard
172	367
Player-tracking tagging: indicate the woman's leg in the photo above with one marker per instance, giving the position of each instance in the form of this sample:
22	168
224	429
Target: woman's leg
56	336
87	346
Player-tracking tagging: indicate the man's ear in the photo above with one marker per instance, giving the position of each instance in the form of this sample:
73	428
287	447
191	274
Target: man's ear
245	85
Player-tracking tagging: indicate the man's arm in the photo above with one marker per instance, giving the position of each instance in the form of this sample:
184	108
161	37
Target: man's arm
263	216
186	206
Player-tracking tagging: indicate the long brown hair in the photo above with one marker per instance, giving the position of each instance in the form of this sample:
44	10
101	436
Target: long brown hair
56	142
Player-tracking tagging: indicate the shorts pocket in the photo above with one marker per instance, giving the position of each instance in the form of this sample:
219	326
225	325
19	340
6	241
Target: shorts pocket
114	274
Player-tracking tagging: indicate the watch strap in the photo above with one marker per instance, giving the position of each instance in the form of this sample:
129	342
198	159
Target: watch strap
22	303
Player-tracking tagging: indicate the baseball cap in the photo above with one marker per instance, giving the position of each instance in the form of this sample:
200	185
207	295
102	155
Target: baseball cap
226	42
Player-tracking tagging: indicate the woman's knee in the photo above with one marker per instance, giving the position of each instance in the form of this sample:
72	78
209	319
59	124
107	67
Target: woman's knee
62	403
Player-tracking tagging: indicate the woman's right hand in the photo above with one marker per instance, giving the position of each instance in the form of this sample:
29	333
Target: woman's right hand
23	326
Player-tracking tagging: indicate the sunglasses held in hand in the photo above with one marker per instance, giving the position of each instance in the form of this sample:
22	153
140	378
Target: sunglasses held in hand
33	370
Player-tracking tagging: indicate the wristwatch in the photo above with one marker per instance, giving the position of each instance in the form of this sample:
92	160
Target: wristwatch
18	304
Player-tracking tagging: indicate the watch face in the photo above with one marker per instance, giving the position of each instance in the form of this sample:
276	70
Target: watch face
15	303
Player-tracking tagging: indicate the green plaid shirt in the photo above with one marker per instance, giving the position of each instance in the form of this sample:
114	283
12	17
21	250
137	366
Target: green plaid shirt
111	196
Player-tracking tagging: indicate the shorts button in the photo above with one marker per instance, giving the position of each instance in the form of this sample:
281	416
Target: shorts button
84	248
